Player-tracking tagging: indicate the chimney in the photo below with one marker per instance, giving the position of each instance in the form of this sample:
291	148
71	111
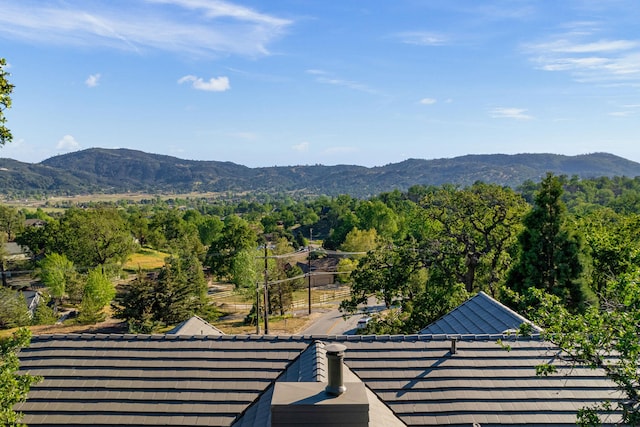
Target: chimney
335	357
331	404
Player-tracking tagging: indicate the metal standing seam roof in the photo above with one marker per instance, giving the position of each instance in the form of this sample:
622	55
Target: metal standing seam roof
480	314
127	380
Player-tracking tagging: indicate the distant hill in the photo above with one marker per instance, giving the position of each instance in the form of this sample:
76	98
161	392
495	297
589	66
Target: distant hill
98	170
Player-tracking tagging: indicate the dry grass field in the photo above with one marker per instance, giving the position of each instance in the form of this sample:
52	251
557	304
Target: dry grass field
145	260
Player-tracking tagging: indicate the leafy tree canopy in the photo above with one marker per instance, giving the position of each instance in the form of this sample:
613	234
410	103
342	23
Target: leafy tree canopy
605	339
14	387
5	102
13	309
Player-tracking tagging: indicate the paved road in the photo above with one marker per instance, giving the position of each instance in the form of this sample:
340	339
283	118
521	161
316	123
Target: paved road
333	323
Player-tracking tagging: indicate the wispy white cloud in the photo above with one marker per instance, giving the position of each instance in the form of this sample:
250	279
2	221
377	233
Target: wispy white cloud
325	77
586	56
223	9
67	143
93	80
626	110
600	46
428	101
510	113
214	84
422	38
621	113
199	27
302	147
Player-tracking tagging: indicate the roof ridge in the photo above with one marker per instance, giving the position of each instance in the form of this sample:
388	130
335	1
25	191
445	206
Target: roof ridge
293	338
314	346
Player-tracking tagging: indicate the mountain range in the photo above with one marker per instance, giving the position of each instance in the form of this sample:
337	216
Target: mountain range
98	170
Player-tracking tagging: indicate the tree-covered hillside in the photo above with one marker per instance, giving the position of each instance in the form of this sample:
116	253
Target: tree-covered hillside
99	170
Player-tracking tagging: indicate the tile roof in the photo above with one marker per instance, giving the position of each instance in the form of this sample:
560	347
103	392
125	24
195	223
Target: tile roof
480	314
311	366
221	380
195	325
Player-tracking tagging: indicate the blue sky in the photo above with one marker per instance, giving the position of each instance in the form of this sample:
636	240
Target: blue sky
288	82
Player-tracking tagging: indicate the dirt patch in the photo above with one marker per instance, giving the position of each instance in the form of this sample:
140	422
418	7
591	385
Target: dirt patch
110	326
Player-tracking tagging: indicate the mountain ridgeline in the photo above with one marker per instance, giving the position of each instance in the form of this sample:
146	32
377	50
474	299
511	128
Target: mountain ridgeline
98	170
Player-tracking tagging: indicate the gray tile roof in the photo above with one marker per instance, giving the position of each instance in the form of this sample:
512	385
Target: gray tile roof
218	380
480	314
195	325
311	366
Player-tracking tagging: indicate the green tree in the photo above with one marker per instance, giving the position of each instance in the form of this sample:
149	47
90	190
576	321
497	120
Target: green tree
13	309
343	225
55	271
171	232
88	237
179	292
44	313
235	237
399	277
182	289
385	274
600	338
550	256
98	292
209	229
3	259
285	277
374	214
345	268
614	246
11	221
360	240
474	234
139	226
245	271
6	89
94	237
137	303
40	240
14	386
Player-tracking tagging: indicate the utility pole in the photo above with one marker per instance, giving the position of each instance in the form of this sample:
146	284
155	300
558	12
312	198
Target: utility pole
266	291
257	307
309	276
309	266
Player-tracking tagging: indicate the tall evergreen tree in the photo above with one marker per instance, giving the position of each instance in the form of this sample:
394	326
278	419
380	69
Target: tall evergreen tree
550	257
179	293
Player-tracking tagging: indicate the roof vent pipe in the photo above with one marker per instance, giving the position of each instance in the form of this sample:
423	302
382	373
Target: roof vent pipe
335	357
454	343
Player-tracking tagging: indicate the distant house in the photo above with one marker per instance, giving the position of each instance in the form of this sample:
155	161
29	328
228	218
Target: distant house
34	222
14	251
232	380
323	270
